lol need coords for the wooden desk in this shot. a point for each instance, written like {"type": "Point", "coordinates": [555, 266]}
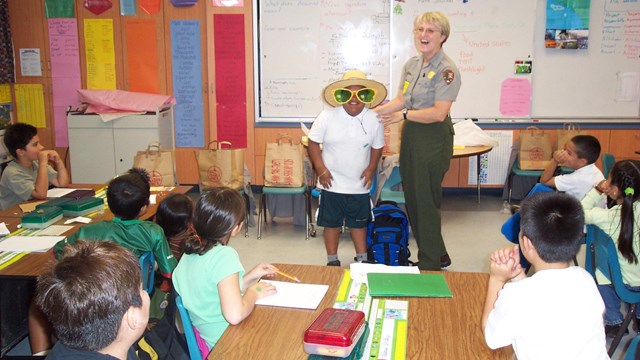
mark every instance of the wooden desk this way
{"type": "Point", "coordinates": [473, 151]}
{"type": "Point", "coordinates": [31, 264]}
{"type": "Point", "coordinates": [438, 328]}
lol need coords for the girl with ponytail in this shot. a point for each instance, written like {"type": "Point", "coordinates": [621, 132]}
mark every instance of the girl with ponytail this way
{"type": "Point", "coordinates": [621, 223]}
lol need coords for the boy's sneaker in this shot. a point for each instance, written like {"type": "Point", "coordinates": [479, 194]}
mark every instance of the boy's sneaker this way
{"type": "Point", "coordinates": [334, 263]}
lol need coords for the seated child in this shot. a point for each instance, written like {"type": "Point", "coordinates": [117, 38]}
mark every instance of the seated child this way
{"type": "Point", "coordinates": [29, 175]}
{"type": "Point", "coordinates": [128, 199]}
{"type": "Point", "coordinates": [621, 223]}
{"type": "Point", "coordinates": [94, 299]}
{"type": "Point", "coordinates": [210, 278]}
{"type": "Point", "coordinates": [579, 153]}
{"type": "Point", "coordinates": [174, 215]}
{"type": "Point", "coordinates": [557, 312]}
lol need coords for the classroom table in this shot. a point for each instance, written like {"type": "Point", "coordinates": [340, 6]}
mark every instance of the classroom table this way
{"type": "Point", "coordinates": [439, 328]}
{"type": "Point", "coordinates": [476, 151]}
{"type": "Point", "coordinates": [21, 275]}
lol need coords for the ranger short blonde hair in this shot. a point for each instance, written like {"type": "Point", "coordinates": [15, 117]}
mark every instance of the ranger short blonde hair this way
{"type": "Point", "coordinates": [437, 18]}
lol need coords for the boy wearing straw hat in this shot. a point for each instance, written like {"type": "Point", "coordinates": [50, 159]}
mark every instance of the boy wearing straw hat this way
{"type": "Point", "coordinates": [352, 139]}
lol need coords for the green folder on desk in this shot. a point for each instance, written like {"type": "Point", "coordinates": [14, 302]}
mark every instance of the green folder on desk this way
{"type": "Point", "coordinates": [420, 285]}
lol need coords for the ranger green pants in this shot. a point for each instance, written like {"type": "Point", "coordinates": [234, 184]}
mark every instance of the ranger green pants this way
{"type": "Point", "coordinates": [425, 154]}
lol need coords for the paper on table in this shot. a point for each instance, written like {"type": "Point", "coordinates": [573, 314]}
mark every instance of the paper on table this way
{"type": "Point", "coordinates": [59, 192]}
{"type": "Point", "coordinates": [29, 243]}
{"type": "Point", "coordinates": [359, 271]}
{"type": "Point", "coordinates": [152, 199]}
{"type": "Point", "coordinates": [80, 219]}
{"type": "Point", "coordinates": [30, 206]}
{"type": "Point", "coordinates": [295, 295]}
{"type": "Point", "coordinates": [4, 230]}
{"type": "Point", "coordinates": [52, 230]}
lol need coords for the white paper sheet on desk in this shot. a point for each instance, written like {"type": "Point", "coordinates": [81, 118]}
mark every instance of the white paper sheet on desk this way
{"type": "Point", "coordinates": [29, 243]}
{"type": "Point", "coordinates": [58, 192]}
{"type": "Point", "coordinates": [295, 295]}
{"type": "Point", "coordinates": [359, 271]}
{"type": "Point", "coordinates": [4, 230]}
{"type": "Point", "coordinates": [53, 230]}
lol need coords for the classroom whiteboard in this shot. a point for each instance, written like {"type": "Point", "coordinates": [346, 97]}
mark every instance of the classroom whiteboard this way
{"type": "Point", "coordinates": [302, 45]}
{"type": "Point", "coordinates": [486, 39]}
{"type": "Point", "coordinates": [590, 83]}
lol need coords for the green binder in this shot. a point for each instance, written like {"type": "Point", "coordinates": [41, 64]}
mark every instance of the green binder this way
{"type": "Point", "coordinates": [421, 285]}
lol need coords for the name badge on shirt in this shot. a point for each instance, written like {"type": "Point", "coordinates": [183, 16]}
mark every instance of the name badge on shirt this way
{"type": "Point", "coordinates": [405, 87]}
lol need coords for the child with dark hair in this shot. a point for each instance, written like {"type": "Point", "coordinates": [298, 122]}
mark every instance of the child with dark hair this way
{"type": "Point", "coordinates": [534, 314]}
{"type": "Point", "coordinates": [210, 278]}
{"type": "Point", "coordinates": [94, 299]}
{"type": "Point", "coordinates": [128, 199]}
{"type": "Point", "coordinates": [620, 222]}
{"type": "Point", "coordinates": [29, 175]}
{"type": "Point", "coordinates": [174, 215]}
{"type": "Point", "coordinates": [579, 153]}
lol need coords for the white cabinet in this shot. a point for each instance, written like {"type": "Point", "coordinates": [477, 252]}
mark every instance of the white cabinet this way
{"type": "Point", "coordinates": [102, 150]}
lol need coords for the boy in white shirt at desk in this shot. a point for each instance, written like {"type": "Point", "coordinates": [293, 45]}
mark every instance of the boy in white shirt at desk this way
{"type": "Point", "coordinates": [29, 175]}
{"type": "Point", "coordinates": [557, 312]}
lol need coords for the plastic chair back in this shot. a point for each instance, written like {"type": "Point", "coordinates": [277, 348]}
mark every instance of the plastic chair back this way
{"type": "Point", "coordinates": [607, 163]}
{"type": "Point", "coordinates": [147, 264]}
{"type": "Point", "coordinates": [633, 352]}
{"type": "Point", "coordinates": [387, 193]}
{"type": "Point", "coordinates": [192, 343]}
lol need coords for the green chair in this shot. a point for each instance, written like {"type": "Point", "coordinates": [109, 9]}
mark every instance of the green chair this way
{"type": "Point", "coordinates": [607, 163]}
{"type": "Point", "coordinates": [387, 193]}
{"type": "Point", "coordinates": [269, 190]}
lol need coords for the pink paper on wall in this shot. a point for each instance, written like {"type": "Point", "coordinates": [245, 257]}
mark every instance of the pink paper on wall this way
{"type": "Point", "coordinates": [228, 3]}
{"type": "Point", "coordinates": [515, 97]}
{"type": "Point", "coordinates": [65, 72]}
{"type": "Point", "coordinates": [231, 89]}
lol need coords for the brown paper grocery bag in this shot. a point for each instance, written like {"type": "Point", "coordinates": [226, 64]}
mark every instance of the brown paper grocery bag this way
{"type": "Point", "coordinates": [535, 149]}
{"type": "Point", "coordinates": [392, 136]}
{"type": "Point", "coordinates": [568, 131]}
{"type": "Point", "coordinates": [159, 164]}
{"type": "Point", "coordinates": [220, 167]}
{"type": "Point", "coordinates": [284, 164]}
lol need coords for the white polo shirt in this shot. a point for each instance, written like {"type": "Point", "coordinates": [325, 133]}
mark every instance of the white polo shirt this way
{"type": "Point", "coordinates": [346, 146]}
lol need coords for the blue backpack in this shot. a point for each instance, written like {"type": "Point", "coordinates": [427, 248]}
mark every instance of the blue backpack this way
{"type": "Point", "coordinates": [388, 235]}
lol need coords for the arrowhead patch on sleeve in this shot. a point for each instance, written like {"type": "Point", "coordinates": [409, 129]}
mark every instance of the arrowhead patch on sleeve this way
{"type": "Point", "coordinates": [448, 76]}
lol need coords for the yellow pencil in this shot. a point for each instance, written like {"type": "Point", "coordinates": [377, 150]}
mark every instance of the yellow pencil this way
{"type": "Point", "coordinates": [288, 276]}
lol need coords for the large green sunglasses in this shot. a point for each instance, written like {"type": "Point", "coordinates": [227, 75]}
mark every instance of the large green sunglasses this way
{"type": "Point", "coordinates": [366, 95]}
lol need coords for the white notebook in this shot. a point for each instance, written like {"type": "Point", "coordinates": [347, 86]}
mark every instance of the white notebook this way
{"type": "Point", "coordinates": [295, 295]}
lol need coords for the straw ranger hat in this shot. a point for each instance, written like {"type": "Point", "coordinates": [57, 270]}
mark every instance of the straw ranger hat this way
{"type": "Point", "coordinates": [355, 77]}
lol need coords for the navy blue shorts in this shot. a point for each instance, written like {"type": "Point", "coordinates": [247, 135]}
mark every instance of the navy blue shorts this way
{"type": "Point", "coordinates": [354, 210]}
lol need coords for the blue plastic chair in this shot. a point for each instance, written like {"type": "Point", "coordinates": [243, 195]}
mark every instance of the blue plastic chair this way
{"type": "Point", "coordinates": [147, 265]}
{"type": "Point", "coordinates": [607, 163]}
{"type": "Point", "coordinates": [632, 349]}
{"type": "Point", "coordinates": [603, 255]}
{"type": "Point", "coordinates": [387, 193]}
{"type": "Point", "coordinates": [189, 334]}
